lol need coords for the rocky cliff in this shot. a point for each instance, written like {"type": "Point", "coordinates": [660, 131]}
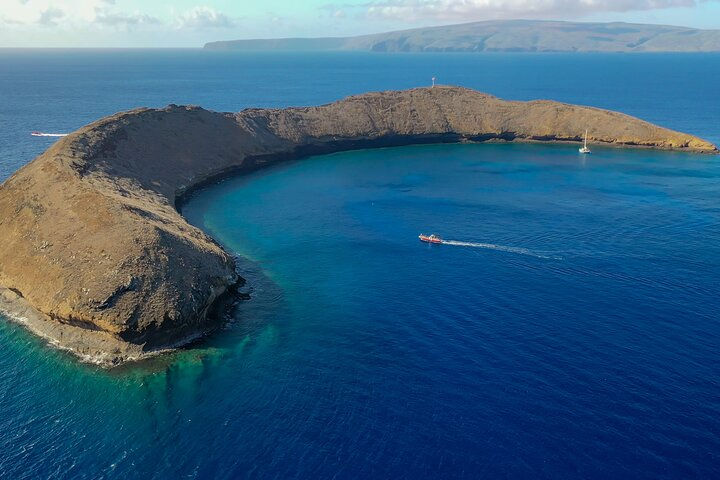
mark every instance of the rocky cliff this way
{"type": "Point", "coordinates": [95, 256]}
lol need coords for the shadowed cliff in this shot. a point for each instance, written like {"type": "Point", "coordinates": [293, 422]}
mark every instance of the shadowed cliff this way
{"type": "Point", "coordinates": [95, 256]}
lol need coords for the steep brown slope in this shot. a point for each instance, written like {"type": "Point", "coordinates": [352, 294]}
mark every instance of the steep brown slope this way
{"type": "Point", "coordinates": [95, 256]}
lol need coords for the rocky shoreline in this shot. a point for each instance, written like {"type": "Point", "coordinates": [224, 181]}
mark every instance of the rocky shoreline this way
{"type": "Point", "coordinates": [96, 257]}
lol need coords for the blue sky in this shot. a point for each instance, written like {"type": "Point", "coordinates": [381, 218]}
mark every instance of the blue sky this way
{"type": "Point", "coordinates": [191, 23]}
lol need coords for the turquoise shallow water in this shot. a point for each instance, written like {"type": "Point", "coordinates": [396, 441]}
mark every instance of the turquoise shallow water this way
{"type": "Point", "coordinates": [580, 341]}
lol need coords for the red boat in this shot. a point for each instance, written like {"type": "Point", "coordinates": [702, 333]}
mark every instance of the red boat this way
{"type": "Point", "coordinates": [430, 238]}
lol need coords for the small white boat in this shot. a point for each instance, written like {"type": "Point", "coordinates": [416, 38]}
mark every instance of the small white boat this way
{"type": "Point", "coordinates": [585, 148]}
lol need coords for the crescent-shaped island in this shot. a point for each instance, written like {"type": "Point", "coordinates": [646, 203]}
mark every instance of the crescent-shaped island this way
{"type": "Point", "coordinates": [96, 258]}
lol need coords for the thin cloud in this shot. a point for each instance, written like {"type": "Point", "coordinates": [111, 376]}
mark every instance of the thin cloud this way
{"type": "Point", "coordinates": [115, 19]}
{"type": "Point", "coordinates": [74, 14]}
{"type": "Point", "coordinates": [465, 10]}
{"type": "Point", "coordinates": [50, 17]}
{"type": "Point", "coordinates": [202, 18]}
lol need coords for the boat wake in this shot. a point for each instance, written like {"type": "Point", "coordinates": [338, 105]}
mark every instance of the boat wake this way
{"type": "Point", "coordinates": [42, 134]}
{"type": "Point", "coordinates": [503, 248]}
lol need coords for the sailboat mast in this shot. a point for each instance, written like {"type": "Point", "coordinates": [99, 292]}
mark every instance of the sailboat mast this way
{"type": "Point", "coordinates": [585, 145]}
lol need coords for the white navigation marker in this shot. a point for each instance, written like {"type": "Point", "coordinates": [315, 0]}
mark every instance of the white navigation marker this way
{"type": "Point", "coordinates": [433, 82]}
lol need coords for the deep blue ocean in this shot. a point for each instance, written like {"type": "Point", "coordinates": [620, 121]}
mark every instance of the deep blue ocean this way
{"type": "Point", "coordinates": [576, 334]}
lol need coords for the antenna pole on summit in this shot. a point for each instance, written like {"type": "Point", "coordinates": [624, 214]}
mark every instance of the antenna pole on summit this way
{"type": "Point", "coordinates": [433, 82]}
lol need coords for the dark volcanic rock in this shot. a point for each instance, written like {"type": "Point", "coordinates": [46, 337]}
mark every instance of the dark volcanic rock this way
{"type": "Point", "coordinates": [95, 256]}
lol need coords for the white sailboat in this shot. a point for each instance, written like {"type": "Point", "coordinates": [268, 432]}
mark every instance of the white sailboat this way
{"type": "Point", "coordinates": [585, 148]}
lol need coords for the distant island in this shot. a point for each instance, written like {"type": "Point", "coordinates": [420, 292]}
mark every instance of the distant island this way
{"type": "Point", "coordinates": [503, 36]}
{"type": "Point", "coordinates": [96, 257]}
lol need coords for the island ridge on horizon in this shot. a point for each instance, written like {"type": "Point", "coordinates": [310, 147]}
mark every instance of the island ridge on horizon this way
{"type": "Point", "coordinates": [503, 36]}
